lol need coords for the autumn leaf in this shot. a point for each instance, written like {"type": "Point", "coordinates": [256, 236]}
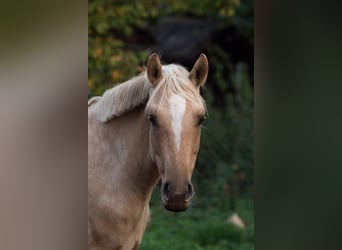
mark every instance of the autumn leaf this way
{"type": "Point", "coordinates": [116, 75]}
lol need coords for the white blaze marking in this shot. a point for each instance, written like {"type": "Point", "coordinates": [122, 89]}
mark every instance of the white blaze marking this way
{"type": "Point", "coordinates": [177, 109]}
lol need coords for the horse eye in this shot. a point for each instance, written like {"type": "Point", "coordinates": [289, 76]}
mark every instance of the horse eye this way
{"type": "Point", "coordinates": [153, 120]}
{"type": "Point", "coordinates": [201, 119]}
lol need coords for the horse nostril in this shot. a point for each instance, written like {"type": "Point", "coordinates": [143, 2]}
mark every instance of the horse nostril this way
{"type": "Point", "coordinates": [190, 188]}
{"type": "Point", "coordinates": [190, 192]}
{"type": "Point", "coordinates": [166, 191]}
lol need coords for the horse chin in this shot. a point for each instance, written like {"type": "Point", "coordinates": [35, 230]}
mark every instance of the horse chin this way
{"type": "Point", "coordinates": [176, 207]}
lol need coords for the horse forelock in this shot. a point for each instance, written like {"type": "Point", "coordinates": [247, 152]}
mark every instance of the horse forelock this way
{"type": "Point", "coordinates": [139, 91]}
{"type": "Point", "coordinates": [175, 81]}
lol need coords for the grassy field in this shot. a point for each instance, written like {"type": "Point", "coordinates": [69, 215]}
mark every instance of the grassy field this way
{"type": "Point", "coordinates": [200, 228]}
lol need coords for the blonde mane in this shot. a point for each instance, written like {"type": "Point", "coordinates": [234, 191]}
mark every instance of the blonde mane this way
{"type": "Point", "coordinates": [139, 91]}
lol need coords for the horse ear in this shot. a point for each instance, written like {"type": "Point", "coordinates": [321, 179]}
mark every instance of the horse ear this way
{"type": "Point", "coordinates": [199, 72]}
{"type": "Point", "coordinates": [154, 69]}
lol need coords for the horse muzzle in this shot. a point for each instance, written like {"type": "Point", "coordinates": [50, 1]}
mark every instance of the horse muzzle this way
{"type": "Point", "coordinates": [176, 201]}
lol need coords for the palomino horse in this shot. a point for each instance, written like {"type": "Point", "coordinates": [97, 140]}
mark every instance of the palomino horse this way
{"type": "Point", "coordinates": [140, 131]}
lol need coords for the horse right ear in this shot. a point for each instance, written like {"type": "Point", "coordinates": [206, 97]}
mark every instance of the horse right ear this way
{"type": "Point", "coordinates": [154, 69]}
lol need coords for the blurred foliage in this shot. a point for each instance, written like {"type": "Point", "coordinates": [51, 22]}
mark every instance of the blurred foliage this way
{"type": "Point", "coordinates": [118, 50]}
{"type": "Point", "coordinates": [226, 154]}
{"type": "Point", "coordinates": [112, 25]}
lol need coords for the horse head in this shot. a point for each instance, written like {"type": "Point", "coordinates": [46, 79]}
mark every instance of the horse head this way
{"type": "Point", "coordinates": [175, 111]}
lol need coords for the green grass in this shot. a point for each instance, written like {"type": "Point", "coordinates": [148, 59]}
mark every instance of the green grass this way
{"type": "Point", "coordinates": [200, 228]}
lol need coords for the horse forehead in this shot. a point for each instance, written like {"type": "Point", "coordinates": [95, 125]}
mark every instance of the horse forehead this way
{"type": "Point", "coordinates": [178, 105]}
{"type": "Point", "coordinates": [177, 110]}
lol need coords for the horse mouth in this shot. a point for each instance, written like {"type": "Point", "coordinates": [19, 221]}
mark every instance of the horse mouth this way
{"type": "Point", "coordinates": [176, 205]}
{"type": "Point", "coordinates": [177, 208]}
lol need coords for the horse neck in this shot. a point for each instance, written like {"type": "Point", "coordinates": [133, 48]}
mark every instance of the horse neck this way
{"type": "Point", "coordinates": [129, 135]}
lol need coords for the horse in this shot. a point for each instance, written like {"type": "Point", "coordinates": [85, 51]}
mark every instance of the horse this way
{"type": "Point", "coordinates": [139, 132]}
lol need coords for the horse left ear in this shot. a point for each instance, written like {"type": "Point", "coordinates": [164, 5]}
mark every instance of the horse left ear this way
{"type": "Point", "coordinates": [198, 74]}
